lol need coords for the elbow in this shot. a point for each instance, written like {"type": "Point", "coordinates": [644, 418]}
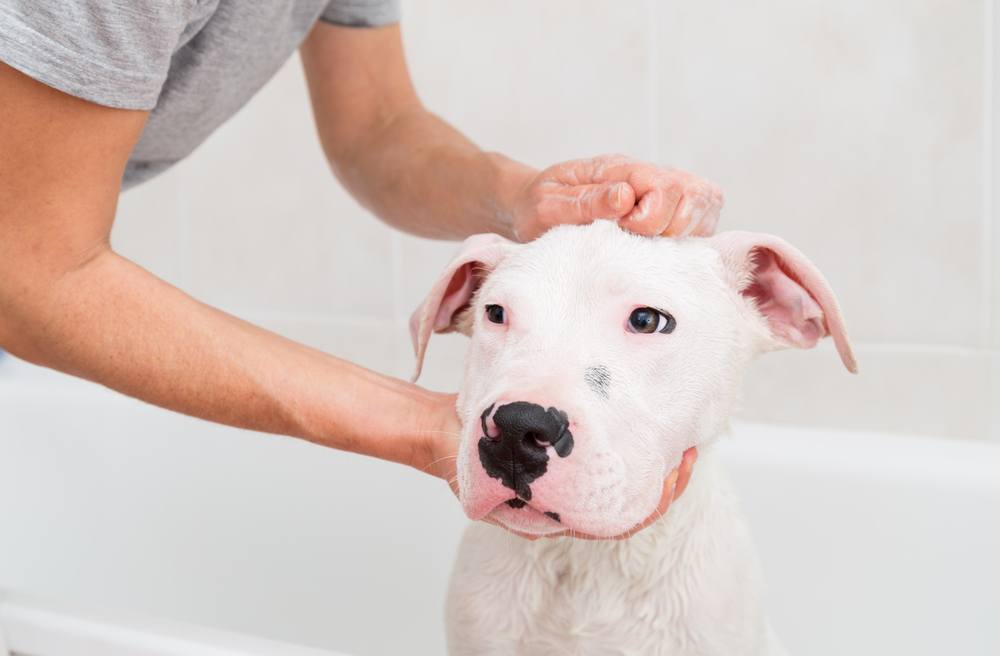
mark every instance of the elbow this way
{"type": "Point", "coordinates": [23, 316]}
{"type": "Point", "coordinates": [39, 317]}
{"type": "Point", "coordinates": [16, 337]}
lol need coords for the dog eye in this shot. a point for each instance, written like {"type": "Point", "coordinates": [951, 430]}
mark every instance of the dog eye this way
{"type": "Point", "coordinates": [495, 313]}
{"type": "Point", "coordinates": [648, 320]}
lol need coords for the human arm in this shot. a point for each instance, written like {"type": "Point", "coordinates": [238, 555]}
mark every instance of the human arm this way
{"type": "Point", "coordinates": [419, 174]}
{"type": "Point", "coordinates": [69, 302]}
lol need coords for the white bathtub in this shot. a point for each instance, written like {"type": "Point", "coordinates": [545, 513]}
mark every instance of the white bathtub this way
{"type": "Point", "coordinates": [43, 628]}
{"type": "Point", "coordinates": [872, 544]}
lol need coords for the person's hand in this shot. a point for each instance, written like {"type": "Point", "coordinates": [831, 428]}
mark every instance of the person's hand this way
{"type": "Point", "coordinates": [643, 198]}
{"type": "Point", "coordinates": [442, 447]}
{"type": "Point", "coordinates": [440, 431]}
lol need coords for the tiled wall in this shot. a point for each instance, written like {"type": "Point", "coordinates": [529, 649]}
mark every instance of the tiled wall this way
{"type": "Point", "coordinates": [861, 130]}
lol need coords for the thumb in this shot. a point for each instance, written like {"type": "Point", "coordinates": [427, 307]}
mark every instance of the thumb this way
{"type": "Point", "coordinates": [585, 203]}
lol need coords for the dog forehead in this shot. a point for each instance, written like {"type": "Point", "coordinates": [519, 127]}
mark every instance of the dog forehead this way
{"type": "Point", "coordinates": [601, 260]}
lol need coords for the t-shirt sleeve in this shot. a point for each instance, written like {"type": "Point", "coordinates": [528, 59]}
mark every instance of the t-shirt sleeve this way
{"type": "Point", "coordinates": [111, 52]}
{"type": "Point", "coordinates": [362, 13]}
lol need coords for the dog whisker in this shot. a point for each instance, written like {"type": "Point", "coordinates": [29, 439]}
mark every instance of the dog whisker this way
{"type": "Point", "coordinates": [438, 432]}
{"type": "Point", "coordinates": [434, 462]}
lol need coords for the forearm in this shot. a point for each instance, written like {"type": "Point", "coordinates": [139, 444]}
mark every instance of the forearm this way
{"type": "Point", "coordinates": [400, 161]}
{"type": "Point", "coordinates": [112, 322]}
{"type": "Point", "coordinates": [420, 174]}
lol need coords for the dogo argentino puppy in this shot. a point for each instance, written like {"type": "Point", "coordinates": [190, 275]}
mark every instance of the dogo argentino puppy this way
{"type": "Point", "coordinates": [596, 359]}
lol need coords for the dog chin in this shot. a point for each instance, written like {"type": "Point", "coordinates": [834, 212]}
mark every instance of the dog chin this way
{"type": "Point", "coordinates": [525, 520]}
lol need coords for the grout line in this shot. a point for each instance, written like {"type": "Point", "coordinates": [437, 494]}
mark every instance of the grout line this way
{"type": "Point", "coordinates": [929, 349]}
{"type": "Point", "coordinates": [183, 228]}
{"type": "Point", "coordinates": [395, 273]}
{"type": "Point", "coordinates": [305, 317]}
{"type": "Point", "coordinates": [652, 61]}
{"type": "Point", "coordinates": [987, 241]}
{"type": "Point", "coordinates": [398, 311]}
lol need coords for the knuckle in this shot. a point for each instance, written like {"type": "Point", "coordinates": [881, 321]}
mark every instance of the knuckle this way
{"type": "Point", "coordinates": [680, 176]}
{"type": "Point", "coordinates": [537, 197]}
{"type": "Point", "coordinates": [673, 188]}
{"type": "Point", "coordinates": [706, 196]}
{"type": "Point", "coordinates": [598, 166]}
{"type": "Point", "coordinates": [613, 158]}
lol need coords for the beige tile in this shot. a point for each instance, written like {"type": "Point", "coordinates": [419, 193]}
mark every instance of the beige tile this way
{"type": "Point", "coordinates": [147, 226]}
{"type": "Point", "coordinates": [854, 129]}
{"type": "Point", "coordinates": [993, 297]}
{"type": "Point", "coordinates": [269, 229]}
{"type": "Point", "coordinates": [420, 263]}
{"type": "Point", "coordinates": [993, 399]}
{"type": "Point", "coordinates": [541, 81]}
{"type": "Point", "coordinates": [993, 231]}
{"type": "Point", "coordinates": [443, 364]}
{"type": "Point", "coordinates": [943, 392]}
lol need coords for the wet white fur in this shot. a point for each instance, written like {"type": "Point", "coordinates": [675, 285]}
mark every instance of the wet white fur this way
{"type": "Point", "coordinates": [687, 585]}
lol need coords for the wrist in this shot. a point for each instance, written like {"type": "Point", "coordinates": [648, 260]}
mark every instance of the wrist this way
{"type": "Point", "coordinates": [374, 415]}
{"type": "Point", "coordinates": [436, 437]}
{"type": "Point", "coordinates": [511, 181]}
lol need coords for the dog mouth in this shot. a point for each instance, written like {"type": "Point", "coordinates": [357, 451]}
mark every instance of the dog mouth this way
{"type": "Point", "coordinates": [518, 515]}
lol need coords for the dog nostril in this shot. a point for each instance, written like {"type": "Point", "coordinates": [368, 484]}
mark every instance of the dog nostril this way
{"type": "Point", "coordinates": [528, 429]}
{"type": "Point", "coordinates": [486, 430]}
{"type": "Point", "coordinates": [538, 438]}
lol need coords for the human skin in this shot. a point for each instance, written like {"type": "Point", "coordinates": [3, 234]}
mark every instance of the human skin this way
{"type": "Point", "coordinates": [69, 302]}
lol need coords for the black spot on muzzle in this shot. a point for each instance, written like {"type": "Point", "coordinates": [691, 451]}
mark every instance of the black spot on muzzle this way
{"type": "Point", "coordinates": [519, 454]}
{"type": "Point", "coordinates": [598, 379]}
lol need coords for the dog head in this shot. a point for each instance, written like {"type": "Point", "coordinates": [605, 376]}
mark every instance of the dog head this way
{"type": "Point", "coordinates": [597, 357]}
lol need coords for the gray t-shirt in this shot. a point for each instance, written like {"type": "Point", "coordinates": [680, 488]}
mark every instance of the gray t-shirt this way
{"type": "Point", "coordinates": [194, 63]}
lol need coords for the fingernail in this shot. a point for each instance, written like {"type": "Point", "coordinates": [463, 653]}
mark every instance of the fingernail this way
{"type": "Point", "coordinates": [709, 224]}
{"type": "Point", "coordinates": [641, 210]}
{"type": "Point", "coordinates": [618, 195]}
{"type": "Point", "coordinates": [693, 221]}
{"type": "Point", "coordinates": [684, 209]}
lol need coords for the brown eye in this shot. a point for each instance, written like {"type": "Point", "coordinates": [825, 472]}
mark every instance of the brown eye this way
{"type": "Point", "coordinates": [647, 320]}
{"type": "Point", "coordinates": [495, 313]}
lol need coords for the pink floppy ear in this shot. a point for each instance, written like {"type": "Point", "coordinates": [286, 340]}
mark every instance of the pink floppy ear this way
{"type": "Point", "coordinates": [478, 255]}
{"type": "Point", "coordinates": [786, 289]}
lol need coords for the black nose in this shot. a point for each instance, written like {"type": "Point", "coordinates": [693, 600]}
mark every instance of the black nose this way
{"type": "Point", "coordinates": [520, 454]}
{"type": "Point", "coordinates": [527, 426]}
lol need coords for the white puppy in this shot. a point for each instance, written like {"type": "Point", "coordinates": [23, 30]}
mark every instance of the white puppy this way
{"type": "Point", "coordinates": [596, 358]}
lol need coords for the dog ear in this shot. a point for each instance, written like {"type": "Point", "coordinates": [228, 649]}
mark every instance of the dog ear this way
{"type": "Point", "coordinates": [476, 258]}
{"type": "Point", "coordinates": [786, 289]}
